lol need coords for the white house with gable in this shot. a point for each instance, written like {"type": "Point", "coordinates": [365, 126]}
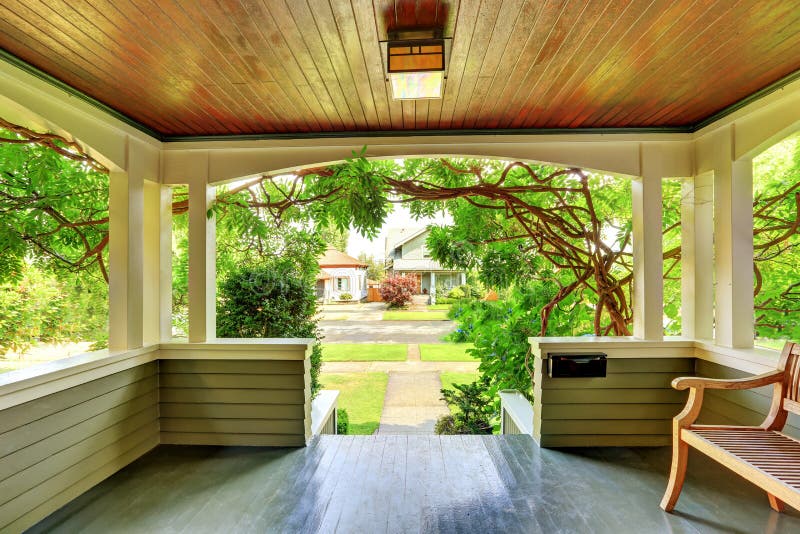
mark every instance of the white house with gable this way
{"type": "Point", "coordinates": [340, 275]}
{"type": "Point", "coordinates": [407, 254]}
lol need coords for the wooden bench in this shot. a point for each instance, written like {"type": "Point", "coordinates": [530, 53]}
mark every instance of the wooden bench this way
{"type": "Point", "coordinates": [760, 454]}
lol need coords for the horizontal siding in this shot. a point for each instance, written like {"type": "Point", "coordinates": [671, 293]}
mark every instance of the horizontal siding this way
{"type": "Point", "coordinates": [605, 440]}
{"type": "Point", "coordinates": [55, 447]}
{"type": "Point", "coordinates": [744, 407]}
{"type": "Point", "coordinates": [620, 411]}
{"type": "Point", "coordinates": [613, 396]}
{"type": "Point", "coordinates": [234, 402]}
{"type": "Point", "coordinates": [632, 406]}
{"type": "Point", "coordinates": [240, 367]}
{"type": "Point", "coordinates": [239, 440]}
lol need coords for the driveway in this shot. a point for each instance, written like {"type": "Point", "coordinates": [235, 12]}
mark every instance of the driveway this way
{"type": "Point", "coordinates": [385, 331]}
{"type": "Point", "coordinates": [357, 311]}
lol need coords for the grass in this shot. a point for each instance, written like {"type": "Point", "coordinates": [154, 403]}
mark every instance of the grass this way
{"type": "Point", "coordinates": [414, 316]}
{"type": "Point", "coordinates": [446, 352]}
{"type": "Point", "coordinates": [448, 378]}
{"type": "Point", "coordinates": [361, 394]}
{"type": "Point", "coordinates": [364, 352]}
{"type": "Point", "coordinates": [439, 307]}
{"type": "Point", "coordinates": [776, 344]}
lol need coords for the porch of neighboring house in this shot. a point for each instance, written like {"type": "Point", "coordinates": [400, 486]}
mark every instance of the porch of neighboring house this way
{"type": "Point", "coordinates": [156, 434]}
{"type": "Point", "coordinates": [385, 483]}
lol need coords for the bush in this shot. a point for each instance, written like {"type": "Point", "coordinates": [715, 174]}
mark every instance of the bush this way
{"type": "Point", "coordinates": [345, 296]}
{"type": "Point", "coordinates": [456, 293]}
{"type": "Point", "coordinates": [398, 290]}
{"type": "Point", "coordinates": [500, 331]}
{"type": "Point", "coordinates": [270, 300]}
{"type": "Point", "coordinates": [41, 307]}
{"type": "Point", "coordinates": [472, 410]}
{"type": "Point", "coordinates": [342, 421]}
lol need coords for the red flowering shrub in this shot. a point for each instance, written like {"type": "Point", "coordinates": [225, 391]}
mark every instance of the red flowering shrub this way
{"type": "Point", "coordinates": [398, 290]}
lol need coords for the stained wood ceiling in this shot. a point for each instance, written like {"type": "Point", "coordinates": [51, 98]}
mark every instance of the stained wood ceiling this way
{"type": "Point", "coordinates": [223, 67]}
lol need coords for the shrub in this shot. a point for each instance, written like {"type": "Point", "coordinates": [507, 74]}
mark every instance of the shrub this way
{"type": "Point", "coordinates": [342, 421]}
{"type": "Point", "coordinates": [398, 290]}
{"type": "Point", "coordinates": [472, 410]}
{"type": "Point", "coordinates": [270, 300]}
{"type": "Point", "coordinates": [500, 330]}
{"type": "Point", "coordinates": [345, 296]}
{"type": "Point", "coordinates": [456, 293]}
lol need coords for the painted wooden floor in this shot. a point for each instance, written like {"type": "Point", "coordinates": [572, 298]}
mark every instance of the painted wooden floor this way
{"type": "Point", "coordinates": [383, 483]}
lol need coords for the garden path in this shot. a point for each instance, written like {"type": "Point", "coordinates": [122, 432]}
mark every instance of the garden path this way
{"type": "Point", "coordinates": [412, 404]}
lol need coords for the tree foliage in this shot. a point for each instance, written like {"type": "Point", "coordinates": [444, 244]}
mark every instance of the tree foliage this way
{"type": "Point", "coordinates": [271, 299]}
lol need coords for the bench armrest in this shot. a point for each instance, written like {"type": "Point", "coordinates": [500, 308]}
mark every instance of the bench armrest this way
{"type": "Point", "coordinates": [686, 382]}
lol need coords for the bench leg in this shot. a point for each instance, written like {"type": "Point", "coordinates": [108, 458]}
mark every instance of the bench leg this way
{"type": "Point", "coordinates": [677, 474]}
{"type": "Point", "coordinates": [775, 503]}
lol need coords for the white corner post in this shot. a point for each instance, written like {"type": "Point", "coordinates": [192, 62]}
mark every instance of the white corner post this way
{"type": "Point", "coordinates": [433, 287]}
{"type": "Point", "coordinates": [202, 263]}
{"type": "Point", "coordinates": [165, 263]}
{"type": "Point", "coordinates": [733, 240]}
{"type": "Point", "coordinates": [697, 257]}
{"type": "Point", "coordinates": [125, 258]}
{"type": "Point", "coordinates": [648, 258]}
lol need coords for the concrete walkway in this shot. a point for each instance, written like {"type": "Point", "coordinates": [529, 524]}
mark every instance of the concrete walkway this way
{"type": "Point", "coordinates": [385, 331]}
{"type": "Point", "coordinates": [412, 404]}
{"type": "Point", "coordinates": [399, 367]}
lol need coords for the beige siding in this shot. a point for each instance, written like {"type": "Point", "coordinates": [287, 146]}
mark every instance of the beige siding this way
{"type": "Point", "coordinates": [737, 407]}
{"type": "Point", "coordinates": [632, 406]}
{"type": "Point", "coordinates": [234, 402]}
{"type": "Point", "coordinates": [413, 249]}
{"type": "Point", "coordinates": [55, 447]}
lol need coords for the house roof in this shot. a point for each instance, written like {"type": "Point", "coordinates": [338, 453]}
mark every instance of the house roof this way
{"type": "Point", "coordinates": [180, 70]}
{"type": "Point", "coordinates": [408, 237]}
{"type": "Point", "coordinates": [334, 258]}
{"type": "Point", "coordinates": [322, 275]}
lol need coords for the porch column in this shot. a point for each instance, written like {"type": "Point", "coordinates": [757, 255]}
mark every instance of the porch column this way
{"type": "Point", "coordinates": [433, 287]}
{"type": "Point", "coordinates": [125, 260]}
{"type": "Point", "coordinates": [202, 264]}
{"type": "Point", "coordinates": [697, 257]}
{"type": "Point", "coordinates": [648, 260]}
{"type": "Point", "coordinates": [733, 241]}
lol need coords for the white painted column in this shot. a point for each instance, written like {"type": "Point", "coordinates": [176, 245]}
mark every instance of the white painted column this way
{"type": "Point", "coordinates": [157, 259]}
{"type": "Point", "coordinates": [202, 264]}
{"type": "Point", "coordinates": [648, 259]}
{"type": "Point", "coordinates": [697, 257]}
{"type": "Point", "coordinates": [733, 240]}
{"type": "Point", "coordinates": [433, 287]}
{"type": "Point", "coordinates": [126, 257]}
{"type": "Point", "coordinates": [165, 263]}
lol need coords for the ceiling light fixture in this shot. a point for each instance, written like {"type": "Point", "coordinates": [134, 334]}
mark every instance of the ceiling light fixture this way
{"type": "Point", "coordinates": [416, 68]}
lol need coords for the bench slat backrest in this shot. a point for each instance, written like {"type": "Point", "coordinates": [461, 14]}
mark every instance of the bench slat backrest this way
{"type": "Point", "coordinates": [790, 362]}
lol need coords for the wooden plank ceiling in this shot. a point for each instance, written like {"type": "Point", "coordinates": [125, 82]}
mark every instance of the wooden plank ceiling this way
{"type": "Point", "coordinates": [221, 67]}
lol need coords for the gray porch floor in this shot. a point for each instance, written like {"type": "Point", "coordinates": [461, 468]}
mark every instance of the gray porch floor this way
{"type": "Point", "coordinates": [412, 483]}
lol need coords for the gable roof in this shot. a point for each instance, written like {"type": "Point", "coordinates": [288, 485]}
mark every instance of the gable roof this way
{"type": "Point", "coordinates": [406, 238]}
{"type": "Point", "coordinates": [334, 258]}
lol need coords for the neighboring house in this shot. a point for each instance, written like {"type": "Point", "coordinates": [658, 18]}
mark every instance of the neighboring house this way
{"type": "Point", "coordinates": [341, 274]}
{"type": "Point", "coordinates": [406, 253]}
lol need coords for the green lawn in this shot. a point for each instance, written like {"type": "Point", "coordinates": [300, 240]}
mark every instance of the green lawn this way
{"type": "Point", "coordinates": [444, 307]}
{"type": "Point", "coordinates": [414, 316]}
{"type": "Point", "coordinates": [361, 394]}
{"type": "Point", "coordinates": [363, 352]}
{"type": "Point", "coordinates": [6, 368]}
{"type": "Point", "coordinates": [776, 344]}
{"type": "Point", "coordinates": [448, 378]}
{"type": "Point", "coordinates": [446, 352]}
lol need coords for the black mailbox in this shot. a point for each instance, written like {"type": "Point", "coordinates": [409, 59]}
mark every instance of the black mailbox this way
{"type": "Point", "coordinates": [576, 365]}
